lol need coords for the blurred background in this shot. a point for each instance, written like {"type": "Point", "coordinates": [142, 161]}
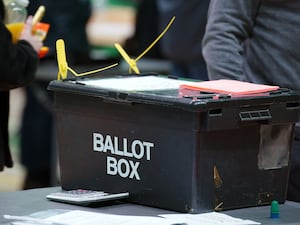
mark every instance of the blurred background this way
{"type": "Point", "coordinates": [11, 179]}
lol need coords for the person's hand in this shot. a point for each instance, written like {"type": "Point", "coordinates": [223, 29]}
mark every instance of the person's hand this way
{"type": "Point", "coordinates": [27, 35]}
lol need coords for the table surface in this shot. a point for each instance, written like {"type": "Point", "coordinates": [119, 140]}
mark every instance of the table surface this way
{"type": "Point", "coordinates": [31, 201]}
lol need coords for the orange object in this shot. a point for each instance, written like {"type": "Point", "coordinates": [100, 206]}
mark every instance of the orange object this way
{"type": "Point", "coordinates": [41, 29]}
{"type": "Point", "coordinates": [15, 30]}
{"type": "Point", "coordinates": [224, 86]}
{"type": "Point", "coordinates": [43, 52]}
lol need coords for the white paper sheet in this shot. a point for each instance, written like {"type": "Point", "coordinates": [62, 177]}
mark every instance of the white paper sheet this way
{"type": "Point", "coordinates": [212, 218]}
{"type": "Point", "coordinates": [142, 83]}
{"type": "Point", "coordinates": [77, 217]}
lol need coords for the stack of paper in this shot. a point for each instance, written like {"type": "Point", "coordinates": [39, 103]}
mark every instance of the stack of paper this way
{"type": "Point", "coordinates": [224, 86]}
{"type": "Point", "coordinates": [78, 217]}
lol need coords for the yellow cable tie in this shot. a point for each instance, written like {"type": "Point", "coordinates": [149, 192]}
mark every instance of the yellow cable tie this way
{"type": "Point", "coordinates": [157, 39]}
{"type": "Point", "coordinates": [93, 71]}
{"type": "Point", "coordinates": [63, 65]}
{"type": "Point", "coordinates": [131, 62]}
{"type": "Point", "coordinates": [72, 71]}
{"type": "Point", "coordinates": [61, 59]}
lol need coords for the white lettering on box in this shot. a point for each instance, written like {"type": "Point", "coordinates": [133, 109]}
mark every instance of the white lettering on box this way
{"type": "Point", "coordinates": [137, 149]}
{"type": "Point", "coordinates": [134, 171]}
{"type": "Point", "coordinates": [148, 146]}
{"type": "Point", "coordinates": [111, 166]}
{"type": "Point", "coordinates": [97, 142]}
{"type": "Point", "coordinates": [108, 145]}
{"type": "Point", "coordinates": [124, 168]}
{"type": "Point", "coordinates": [113, 145]}
{"type": "Point", "coordinates": [117, 151]}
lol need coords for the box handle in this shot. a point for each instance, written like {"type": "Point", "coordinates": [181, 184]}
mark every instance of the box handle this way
{"type": "Point", "coordinates": [255, 115]}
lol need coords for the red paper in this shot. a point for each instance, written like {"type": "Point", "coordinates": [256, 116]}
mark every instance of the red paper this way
{"type": "Point", "coordinates": [224, 86]}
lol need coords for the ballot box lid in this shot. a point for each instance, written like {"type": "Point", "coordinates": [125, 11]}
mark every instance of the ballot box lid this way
{"type": "Point", "coordinates": [166, 91]}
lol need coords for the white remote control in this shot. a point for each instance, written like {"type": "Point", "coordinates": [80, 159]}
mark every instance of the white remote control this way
{"type": "Point", "coordinates": [85, 197]}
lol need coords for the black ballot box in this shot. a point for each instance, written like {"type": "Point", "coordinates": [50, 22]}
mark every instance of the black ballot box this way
{"type": "Point", "coordinates": [188, 152]}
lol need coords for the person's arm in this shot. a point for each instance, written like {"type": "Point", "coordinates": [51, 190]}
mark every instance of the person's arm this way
{"type": "Point", "coordinates": [230, 23]}
{"type": "Point", "coordinates": [18, 62]}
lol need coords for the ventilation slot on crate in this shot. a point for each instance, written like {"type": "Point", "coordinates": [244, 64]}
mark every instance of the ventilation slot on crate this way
{"type": "Point", "coordinates": [255, 115]}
